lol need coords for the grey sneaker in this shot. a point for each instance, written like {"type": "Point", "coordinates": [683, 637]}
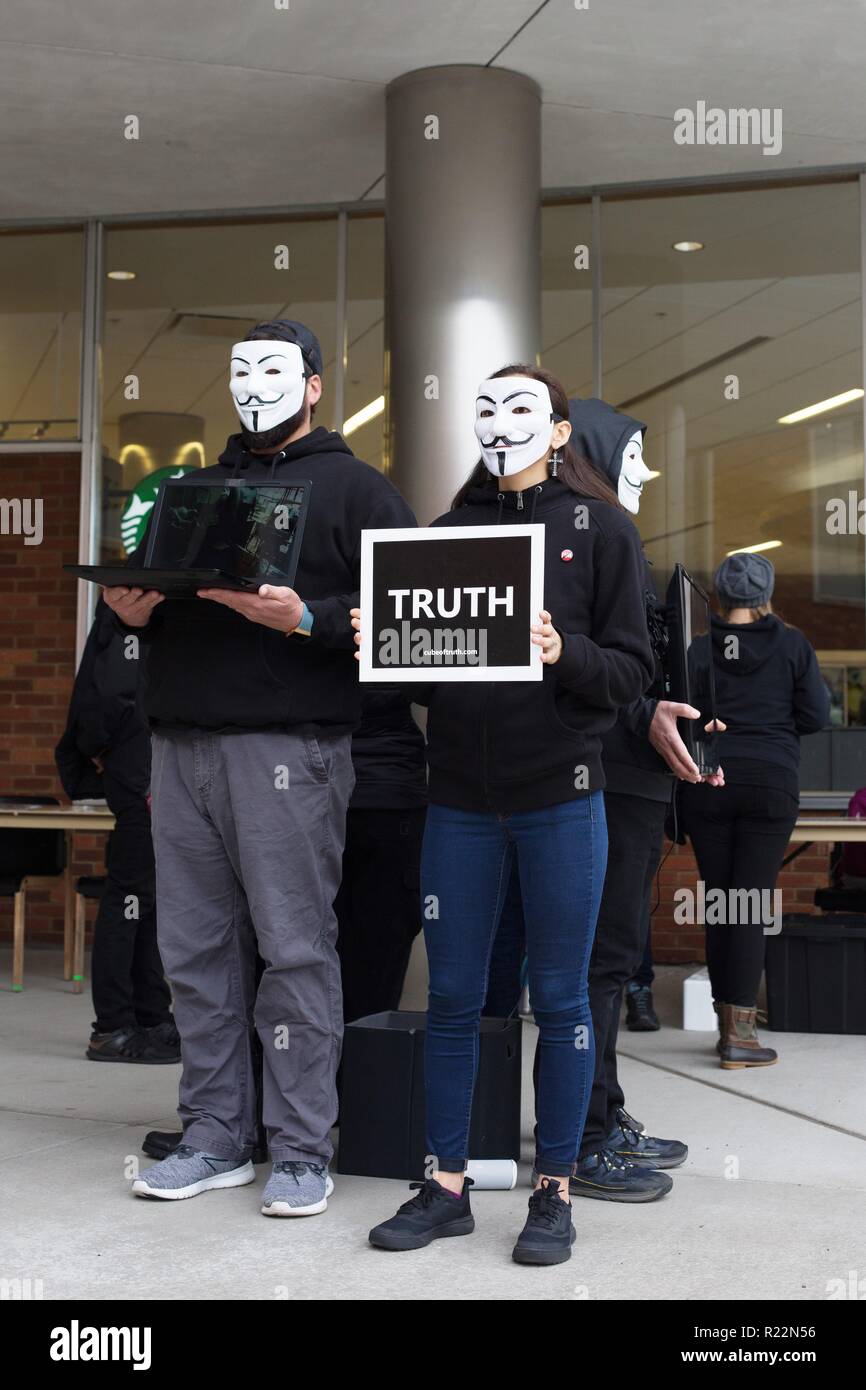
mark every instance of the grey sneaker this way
{"type": "Point", "coordinates": [187, 1172]}
{"type": "Point", "coordinates": [297, 1189]}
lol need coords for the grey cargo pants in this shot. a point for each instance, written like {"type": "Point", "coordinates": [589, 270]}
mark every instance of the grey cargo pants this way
{"type": "Point", "coordinates": [248, 833]}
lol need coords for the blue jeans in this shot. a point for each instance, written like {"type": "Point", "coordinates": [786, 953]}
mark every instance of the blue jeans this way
{"type": "Point", "coordinates": [466, 864]}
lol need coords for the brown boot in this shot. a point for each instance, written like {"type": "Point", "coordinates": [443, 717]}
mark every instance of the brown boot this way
{"type": "Point", "coordinates": [739, 1044]}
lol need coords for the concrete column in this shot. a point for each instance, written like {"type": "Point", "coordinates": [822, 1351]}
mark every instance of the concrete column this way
{"type": "Point", "coordinates": [463, 263]}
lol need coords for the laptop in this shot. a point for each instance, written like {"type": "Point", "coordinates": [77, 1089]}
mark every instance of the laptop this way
{"type": "Point", "coordinates": [690, 679]}
{"type": "Point", "coordinates": [217, 533]}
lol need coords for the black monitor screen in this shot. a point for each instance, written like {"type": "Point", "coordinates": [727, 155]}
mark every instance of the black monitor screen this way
{"type": "Point", "coordinates": [697, 640]}
{"type": "Point", "coordinates": [244, 530]}
{"type": "Point", "coordinates": [690, 654]}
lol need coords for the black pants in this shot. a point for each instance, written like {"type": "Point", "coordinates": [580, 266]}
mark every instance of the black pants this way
{"type": "Point", "coordinates": [635, 829]}
{"type": "Point", "coordinates": [739, 835]}
{"type": "Point", "coordinates": [644, 975]}
{"type": "Point", "coordinates": [378, 907]}
{"type": "Point", "coordinates": [129, 986]}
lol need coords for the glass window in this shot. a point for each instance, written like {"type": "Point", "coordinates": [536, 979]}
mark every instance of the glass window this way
{"type": "Point", "coordinates": [365, 334]}
{"type": "Point", "coordinates": [41, 282]}
{"type": "Point", "coordinates": [566, 295]}
{"type": "Point", "coordinates": [196, 290]}
{"type": "Point", "coordinates": [715, 349]}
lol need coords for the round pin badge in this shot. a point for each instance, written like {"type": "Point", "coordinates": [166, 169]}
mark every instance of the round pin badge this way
{"type": "Point", "coordinates": [566, 555]}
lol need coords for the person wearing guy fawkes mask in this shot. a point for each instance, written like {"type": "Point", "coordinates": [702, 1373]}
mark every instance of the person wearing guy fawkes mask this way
{"type": "Point", "coordinates": [641, 754]}
{"type": "Point", "coordinates": [252, 699]}
{"type": "Point", "coordinates": [503, 792]}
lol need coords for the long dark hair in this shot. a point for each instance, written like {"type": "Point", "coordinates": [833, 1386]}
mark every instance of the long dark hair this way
{"type": "Point", "coordinates": [573, 470]}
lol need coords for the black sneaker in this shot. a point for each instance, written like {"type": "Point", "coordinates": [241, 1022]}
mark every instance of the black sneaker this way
{"type": "Point", "coordinates": [640, 1016]}
{"type": "Point", "coordinates": [432, 1214]}
{"type": "Point", "coordinates": [609, 1178]}
{"type": "Point", "coordinates": [646, 1151]}
{"type": "Point", "coordinates": [548, 1235]}
{"type": "Point", "coordinates": [147, 1046]}
{"type": "Point", "coordinates": [162, 1042]}
{"type": "Point", "coordinates": [624, 1118]}
{"type": "Point", "coordinates": [159, 1143]}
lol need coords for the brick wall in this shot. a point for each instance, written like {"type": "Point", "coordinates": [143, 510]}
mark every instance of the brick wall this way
{"type": "Point", "coordinates": [674, 942]}
{"type": "Point", "coordinates": [37, 657]}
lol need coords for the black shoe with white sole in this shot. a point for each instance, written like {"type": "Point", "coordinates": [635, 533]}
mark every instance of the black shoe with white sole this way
{"type": "Point", "coordinates": [548, 1235]}
{"type": "Point", "coordinates": [609, 1178]}
{"type": "Point", "coordinates": [431, 1215]}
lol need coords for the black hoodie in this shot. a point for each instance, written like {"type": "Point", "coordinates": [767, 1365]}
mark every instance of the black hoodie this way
{"type": "Point", "coordinates": [510, 746]}
{"type": "Point", "coordinates": [209, 668]}
{"type": "Point", "coordinates": [632, 766]}
{"type": "Point", "coordinates": [105, 717]}
{"type": "Point", "coordinates": [769, 691]}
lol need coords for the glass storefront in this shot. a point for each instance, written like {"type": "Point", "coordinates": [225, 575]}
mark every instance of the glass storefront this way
{"type": "Point", "coordinates": [733, 352]}
{"type": "Point", "coordinates": [41, 291]}
{"type": "Point", "coordinates": [716, 349]}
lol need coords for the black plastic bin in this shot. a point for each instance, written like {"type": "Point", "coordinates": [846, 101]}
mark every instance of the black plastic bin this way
{"type": "Point", "coordinates": [816, 974]}
{"type": "Point", "coordinates": [382, 1112]}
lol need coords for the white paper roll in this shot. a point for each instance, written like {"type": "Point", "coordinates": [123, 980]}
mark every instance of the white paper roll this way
{"type": "Point", "coordinates": [492, 1173]}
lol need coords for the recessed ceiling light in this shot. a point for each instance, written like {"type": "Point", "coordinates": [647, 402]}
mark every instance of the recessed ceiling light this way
{"type": "Point", "coordinates": [363, 416]}
{"type": "Point", "coordinates": [755, 549]}
{"type": "Point", "coordinates": [687, 245]}
{"type": "Point", "coordinates": [831, 403]}
{"type": "Point", "coordinates": [121, 275]}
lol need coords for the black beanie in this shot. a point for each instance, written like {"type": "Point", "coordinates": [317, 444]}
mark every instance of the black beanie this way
{"type": "Point", "coordinates": [744, 580]}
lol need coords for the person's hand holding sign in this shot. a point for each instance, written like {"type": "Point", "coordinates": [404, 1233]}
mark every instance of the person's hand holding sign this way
{"type": "Point", "coordinates": [273, 606]}
{"type": "Point", "coordinates": [355, 615]}
{"type": "Point", "coordinates": [545, 636]}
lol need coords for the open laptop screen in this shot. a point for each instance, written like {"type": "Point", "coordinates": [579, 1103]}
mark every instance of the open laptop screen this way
{"type": "Point", "coordinates": [251, 531]}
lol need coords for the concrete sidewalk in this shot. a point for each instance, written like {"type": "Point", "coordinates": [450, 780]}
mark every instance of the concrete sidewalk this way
{"type": "Point", "coordinates": [769, 1205]}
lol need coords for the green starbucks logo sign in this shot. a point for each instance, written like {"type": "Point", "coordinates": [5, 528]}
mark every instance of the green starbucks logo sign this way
{"type": "Point", "coordinates": [139, 504]}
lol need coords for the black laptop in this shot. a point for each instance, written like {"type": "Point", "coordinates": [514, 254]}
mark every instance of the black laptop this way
{"type": "Point", "coordinates": [216, 533]}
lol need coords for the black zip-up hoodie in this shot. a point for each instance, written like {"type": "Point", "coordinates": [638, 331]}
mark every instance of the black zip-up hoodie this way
{"type": "Point", "coordinates": [209, 668]}
{"type": "Point", "coordinates": [769, 691]}
{"type": "Point", "coordinates": [520, 745]}
{"type": "Point", "coordinates": [600, 432]}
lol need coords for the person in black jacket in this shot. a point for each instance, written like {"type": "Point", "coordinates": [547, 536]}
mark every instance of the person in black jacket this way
{"type": "Point", "coordinates": [252, 699]}
{"type": "Point", "coordinates": [769, 691]}
{"type": "Point", "coordinates": [378, 906]}
{"type": "Point", "coordinates": [105, 752]}
{"type": "Point", "coordinates": [642, 753]}
{"type": "Point", "coordinates": [516, 774]}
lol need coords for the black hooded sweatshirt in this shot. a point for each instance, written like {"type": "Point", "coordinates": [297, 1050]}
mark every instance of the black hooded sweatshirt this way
{"type": "Point", "coordinates": [509, 746]}
{"type": "Point", "coordinates": [105, 717]}
{"type": "Point", "coordinates": [632, 766]}
{"type": "Point", "coordinates": [769, 691]}
{"type": "Point", "coordinates": [208, 667]}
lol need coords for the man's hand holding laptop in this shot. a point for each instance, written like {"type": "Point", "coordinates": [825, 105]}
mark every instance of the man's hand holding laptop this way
{"type": "Point", "coordinates": [273, 606]}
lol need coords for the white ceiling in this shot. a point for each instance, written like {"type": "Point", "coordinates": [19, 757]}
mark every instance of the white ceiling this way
{"type": "Point", "coordinates": [247, 105]}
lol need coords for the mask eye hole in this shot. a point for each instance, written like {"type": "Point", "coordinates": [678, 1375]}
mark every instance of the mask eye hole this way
{"type": "Point", "coordinates": [485, 414]}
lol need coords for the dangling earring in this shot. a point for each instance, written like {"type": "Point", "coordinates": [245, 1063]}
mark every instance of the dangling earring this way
{"type": "Point", "coordinates": [555, 462]}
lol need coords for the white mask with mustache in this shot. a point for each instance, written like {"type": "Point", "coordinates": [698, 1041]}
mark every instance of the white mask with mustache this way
{"type": "Point", "coordinates": [513, 423]}
{"type": "Point", "coordinates": [633, 473]}
{"type": "Point", "coordinates": [267, 382]}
